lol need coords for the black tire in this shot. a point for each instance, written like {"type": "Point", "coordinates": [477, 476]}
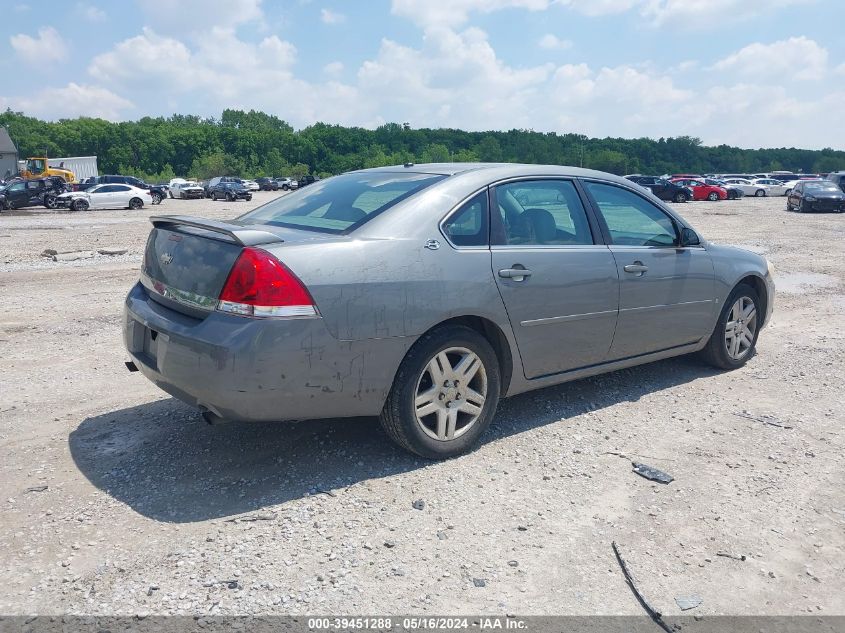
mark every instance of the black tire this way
{"type": "Point", "coordinates": [136, 203]}
{"type": "Point", "coordinates": [286, 187]}
{"type": "Point", "coordinates": [715, 352]}
{"type": "Point", "coordinates": [50, 201]}
{"type": "Point", "coordinates": [170, 193]}
{"type": "Point", "coordinates": [79, 205]}
{"type": "Point", "coordinates": [680, 197]}
{"type": "Point", "coordinates": [214, 196]}
{"type": "Point", "coordinates": [713, 196]}
{"type": "Point", "coordinates": [248, 198]}
{"type": "Point", "coordinates": [800, 207]}
{"type": "Point", "coordinates": [156, 197]}
{"type": "Point", "coordinates": [760, 193]}
{"type": "Point", "coordinates": [230, 197]}
{"type": "Point", "coordinates": [398, 418]}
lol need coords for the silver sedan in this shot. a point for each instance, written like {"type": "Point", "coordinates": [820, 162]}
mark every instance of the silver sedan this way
{"type": "Point", "coordinates": [423, 294]}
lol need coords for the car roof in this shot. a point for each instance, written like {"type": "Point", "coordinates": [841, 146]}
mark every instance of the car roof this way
{"type": "Point", "coordinates": [506, 169]}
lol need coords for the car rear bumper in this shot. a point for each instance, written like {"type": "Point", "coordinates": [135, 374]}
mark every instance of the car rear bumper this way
{"type": "Point", "coordinates": [825, 206]}
{"type": "Point", "coordinates": [258, 369]}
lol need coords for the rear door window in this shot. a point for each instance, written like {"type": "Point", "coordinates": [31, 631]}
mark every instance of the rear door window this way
{"type": "Point", "coordinates": [540, 212]}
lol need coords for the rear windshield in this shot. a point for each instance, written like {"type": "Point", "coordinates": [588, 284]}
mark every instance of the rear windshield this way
{"type": "Point", "coordinates": [821, 186]}
{"type": "Point", "coordinates": [342, 203]}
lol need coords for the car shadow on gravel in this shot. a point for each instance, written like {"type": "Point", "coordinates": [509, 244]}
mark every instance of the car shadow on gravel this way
{"type": "Point", "coordinates": [166, 463]}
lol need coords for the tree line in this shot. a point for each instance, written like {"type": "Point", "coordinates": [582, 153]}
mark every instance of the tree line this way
{"type": "Point", "coordinates": [254, 144]}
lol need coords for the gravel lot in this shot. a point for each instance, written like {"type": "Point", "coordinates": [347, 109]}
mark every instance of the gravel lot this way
{"type": "Point", "coordinates": [120, 500]}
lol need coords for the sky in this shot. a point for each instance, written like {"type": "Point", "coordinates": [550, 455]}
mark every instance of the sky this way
{"type": "Point", "coordinates": [751, 73]}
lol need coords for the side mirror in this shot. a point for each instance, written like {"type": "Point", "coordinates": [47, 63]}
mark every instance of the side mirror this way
{"type": "Point", "coordinates": [689, 237]}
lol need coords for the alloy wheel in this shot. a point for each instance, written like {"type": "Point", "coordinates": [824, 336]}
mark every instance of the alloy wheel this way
{"type": "Point", "coordinates": [740, 328]}
{"type": "Point", "coordinates": [450, 393]}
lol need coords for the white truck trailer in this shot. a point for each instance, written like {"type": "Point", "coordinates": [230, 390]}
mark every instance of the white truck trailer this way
{"type": "Point", "coordinates": [82, 166]}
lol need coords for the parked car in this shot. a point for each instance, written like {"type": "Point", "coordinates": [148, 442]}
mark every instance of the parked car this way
{"type": "Point", "coordinates": [157, 192]}
{"type": "Point", "coordinates": [837, 178]}
{"type": "Point", "coordinates": [304, 181]}
{"type": "Point", "coordinates": [816, 195]}
{"type": "Point", "coordinates": [662, 188]}
{"type": "Point", "coordinates": [32, 193]}
{"type": "Point", "coordinates": [267, 184]}
{"type": "Point", "coordinates": [734, 193]}
{"type": "Point", "coordinates": [250, 184]}
{"type": "Point", "coordinates": [774, 187]}
{"type": "Point", "coordinates": [687, 176]}
{"type": "Point", "coordinates": [701, 190]}
{"type": "Point", "coordinates": [105, 197]}
{"type": "Point", "coordinates": [287, 184]}
{"type": "Point", "coordinates": [277, 305]}
{"type": "Point", "coordinates": [230, 191]}
{"type": "Point", "coordinates": [188, 190]}
{"type": "Point", "coordinates": [747, 187]}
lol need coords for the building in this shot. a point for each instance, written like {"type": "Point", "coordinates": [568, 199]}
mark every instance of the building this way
{"type": "Point", "coordinates": [8, 156]}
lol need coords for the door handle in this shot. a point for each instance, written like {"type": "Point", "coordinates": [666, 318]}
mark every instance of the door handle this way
{"type": "Point", "coordinates": [517, 274]}
{"type": "Point", "coordinates": [637, 268]}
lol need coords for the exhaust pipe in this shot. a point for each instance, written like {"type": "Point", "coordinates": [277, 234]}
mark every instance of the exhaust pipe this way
{"type": "Point", "coordinates": [211, 418]}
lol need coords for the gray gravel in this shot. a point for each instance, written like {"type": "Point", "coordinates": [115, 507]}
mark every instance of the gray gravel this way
{"type": "Point", "coordinates": [148, 510]}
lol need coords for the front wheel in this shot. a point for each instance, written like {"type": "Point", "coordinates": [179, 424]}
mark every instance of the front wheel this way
{"type": "Point", "coordinates": [760, 193]}
{"type": "Point", "coordinates": [444, 394]}
{"type": "Point", "coordinates": [156, 197]}
{"type": "Point", "coordinates": [733, 340]}
{"type": "Point", "coordinates": [712, 196]}
{"type": "Point", "coordinates": [680, 197]}
{"type": "Point", "coordinates": [50, 201]}
{"type": "Point", "coordinates": [79, 205]}
{"type": "Point", "coordinates": [136, 203]}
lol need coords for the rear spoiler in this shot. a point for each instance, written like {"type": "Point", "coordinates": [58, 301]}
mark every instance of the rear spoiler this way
{"type": "Point", "coordinates": [242, 235]}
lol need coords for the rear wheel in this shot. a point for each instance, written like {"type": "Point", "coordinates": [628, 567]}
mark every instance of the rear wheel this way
{"type": "Point", "coordinates": [680, 197]}
{"type": "Point", "coordinates": [444, 394]}
{"type": "Point", "coordinates": [733, 340]}
{"type": "Point", "coordinates": [156, 197]}
{"type": "Point", "coordinates": [136, 203]}
{"type": "Point", "coordinates": [79, 205]}
{"type": "Point", "coordinates": [50, 201]}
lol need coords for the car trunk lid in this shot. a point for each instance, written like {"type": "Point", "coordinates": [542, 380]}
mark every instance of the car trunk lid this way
{"type": "Point", "coordinates": [188, 259]}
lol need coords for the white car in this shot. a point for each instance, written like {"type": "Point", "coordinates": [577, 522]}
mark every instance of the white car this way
{"type": "Point", "coordinates": [187, 190]}
{"type": "Point", "coordinates": [250, 184]}
{"type": "Point", "coordinates": [774, 187]}
{"type": "Point", "coordinates": [108, 196]}
{"type": "Point", "coordinates": [748, 187]}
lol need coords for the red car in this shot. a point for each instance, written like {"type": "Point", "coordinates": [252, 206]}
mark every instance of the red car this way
{"type": "Point", "coordinates": [701, 190]}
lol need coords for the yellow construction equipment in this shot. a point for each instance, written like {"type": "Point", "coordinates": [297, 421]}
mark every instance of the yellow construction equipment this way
{"type": "Point", "coordinates": [39, 168]}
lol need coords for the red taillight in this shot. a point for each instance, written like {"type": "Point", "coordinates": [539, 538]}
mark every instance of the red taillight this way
{"type": "Point", "coordinates": [260, 285]}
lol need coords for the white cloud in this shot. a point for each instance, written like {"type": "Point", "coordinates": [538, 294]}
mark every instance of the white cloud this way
{"type": "Point", "coordinates": [554, 43]}
{"type": "Point", "coordinates": [72, 101]}
{"type": "Point", "coordinates": [333, 68]}
{"type": "Point", "coordinates": [48, 47]}
{"type": "Point", "coordinates": [456, 12]}
{"type": "Point", "coordinates": [778, 60]}
{"type": "Point", "coordinates": [179, 16]}
{"type": "Point", "coordinates": [669, 12]}
{"type": "Point", "coordinates": [331, 17]}
{"type": "Point", "coordinates": [90, 12]}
